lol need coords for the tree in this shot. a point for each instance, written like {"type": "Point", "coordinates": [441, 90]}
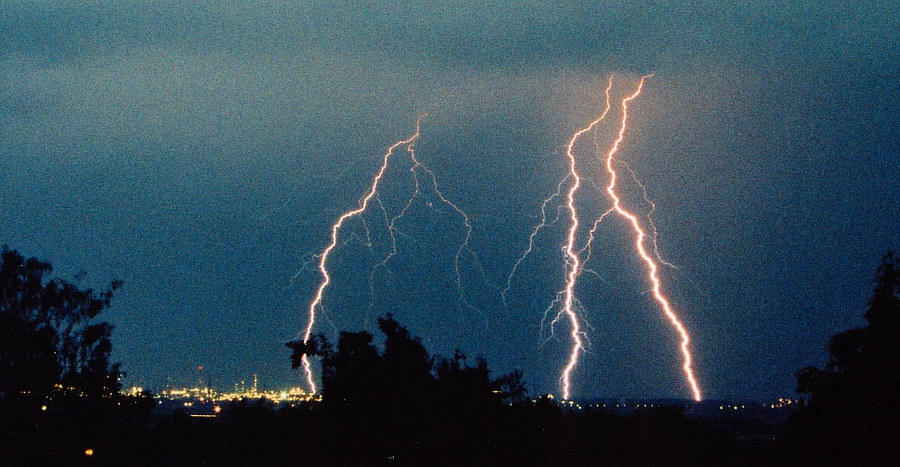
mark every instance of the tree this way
{"type": "Point", "coordinates": [511, 387]}
{"type": "Point", "coordinates": [864, 363]}
{"type": "Point", "coordinates": [854, 398]}
{"type": "Point", "coordinates": [50, 339]}
{"type": "Point", "coordinates": [404, 375]}
{"type": "Point", "coordinates": [405, 364]}
{"type": "Point", "coordinates": [463, 386]}
{"type": "Point", "coordinates": [358, 375]}
{"type": "Point", "coordinates": [352, 376]}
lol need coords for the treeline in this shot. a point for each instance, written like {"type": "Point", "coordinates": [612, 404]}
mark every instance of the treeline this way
{"type": "Point", "coordinates": [401, 404]}
{"type": "Point", "coordinates": [59, 390]}
{"type": "Point", "coordinates": [398, 405]}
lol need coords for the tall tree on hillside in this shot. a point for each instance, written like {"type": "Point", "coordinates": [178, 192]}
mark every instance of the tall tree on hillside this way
{"type": "Point", "coordinates": [853, 405]}
{"type": "Point", "coordinates": [49, 336]}
{"type": "Point", "coordinates": [865, 361]}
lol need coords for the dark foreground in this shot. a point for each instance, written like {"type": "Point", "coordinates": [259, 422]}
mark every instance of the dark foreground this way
{"type": "Point", "coordinates": [123, 432]}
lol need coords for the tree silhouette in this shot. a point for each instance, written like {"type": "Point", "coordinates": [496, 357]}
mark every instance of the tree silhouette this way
{"type": "Point", "coordinates": [50, 340]}
{"type": "Point", "coordinates": [404, 375]}
{"type": "Point", "coordinates": [853, 405]}
{"type": "Point", "coordinates": [357, 375]}
{"type": "Point", "coordinates": [405, 364]}
{"type": "Point", "coordinates": [864, 364]}
{"type": "Point", "coordinates": [512, 388]}
{"type": "Point", "coordinates": [400, 403]}
{"type": "Point", "coordinates": [463, 386]}
{"type": "Point", "coordinates": [352, 377]}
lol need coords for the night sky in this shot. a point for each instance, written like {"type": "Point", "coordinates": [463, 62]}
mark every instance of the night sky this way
{"type": "Point", "coordinates": [201, 153]}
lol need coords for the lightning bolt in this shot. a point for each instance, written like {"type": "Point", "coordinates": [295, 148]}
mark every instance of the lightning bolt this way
{"type": "Point", "coordinates": [372, 197]}
{"type": "Point", "coordinates": [573, 260]}
{"type": "Point", "coordinates": [392, 227]}
{"type": "Point", "coordinates": [640, 236]}
{"type": "Point", "coordinates": [464, 247]}
{"type": "Point", "coordinates": [576, 259]}
{"type": "Point", "coordinates": [646, 197]}
{"type": "Point", "coordinates": [335, 230]}
{"type": "Point", "coordinates": [534, 232]}
{"type": "Point", "coordinates": [568, 305]}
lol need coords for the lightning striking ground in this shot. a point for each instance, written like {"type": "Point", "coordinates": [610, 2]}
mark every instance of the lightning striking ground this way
{"type": "Point", "coordinates": [372, 196]}
{"type": "Point", "coordinates": [573, 260]}
{"type": "Point", "coordinates": [576, 259]}
{"type": "Point", "coordinates": [640, 236]}
{"type": "Point", "coordinates": [323, 257]}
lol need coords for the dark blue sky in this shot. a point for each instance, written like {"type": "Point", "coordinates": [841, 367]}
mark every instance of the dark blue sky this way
{"type": "Point", "coordinates": [200, 153]}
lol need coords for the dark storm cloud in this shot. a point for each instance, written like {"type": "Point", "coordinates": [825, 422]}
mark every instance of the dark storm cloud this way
{"type": "Point", "coordinates": [199, 152]}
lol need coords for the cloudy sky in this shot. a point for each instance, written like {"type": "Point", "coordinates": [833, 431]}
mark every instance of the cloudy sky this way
{"type": "Point", "coordinates": [200, 152]}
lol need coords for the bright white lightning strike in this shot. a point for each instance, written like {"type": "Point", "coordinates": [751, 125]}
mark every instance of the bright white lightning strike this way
{"type": "Point", "coordinates": [364, 202]}
{"type": "Point", "coordinates": [572, 258]}
{"type": "Point", "coordinates": [640, 236]}
{"type": "Point", "coordinates": [576, 259]}
{"type": "Point", "coordinates": [323, 257]}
